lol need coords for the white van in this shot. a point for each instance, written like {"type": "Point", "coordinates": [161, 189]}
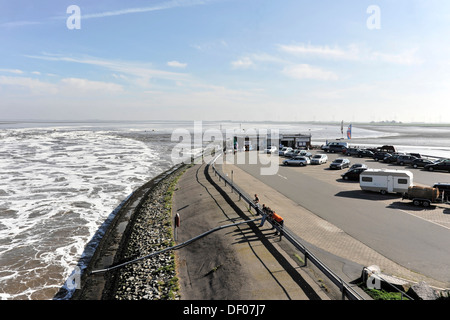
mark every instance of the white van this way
{"type": "Point", "coordinates": [384, 180]}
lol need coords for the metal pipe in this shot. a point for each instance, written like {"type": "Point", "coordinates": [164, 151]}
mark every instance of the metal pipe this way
{"type": "Point", "coordinates": [173, 247]}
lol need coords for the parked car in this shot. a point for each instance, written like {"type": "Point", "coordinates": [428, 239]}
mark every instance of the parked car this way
{"type": "Point", "coordinates": [319, 159]}
{"type": "Point", "coordinates": [405, 159]}
{"type": "Point", "coordinates": [284, 150]}
{"type": "Point", "coordinates": [340, 163]}
{"type": "Point", "coordinates": [336, 148]}
{"type": "Point", "coordinates": [365, 153]}
{"type": "Point", "coordinates": [443, 165]}
{"type": "Point", "coordinates": [392, 157]}
{"type": "Point", "coordinates": [358, 165]}
{"type": "Point", "coordinates": [297, 161]}
{"type": "Point", "coordinates": [305, 153]}
{"type": "Point", "coordinates": [352, 151]}
{"type": "Point", "coordinates": [444, 187]}
{"type": "Point", "coordinates": [271, 149]}
{"type": "Point", "coordinates": [292, 153]}
{"type": "Point", "coordinates": [353, 173]}
{"type": "Point", "coordinates": [380, 155]}
{"type": "Point", "coordinates": [335, 144]}
{"type": "Point", "coordinates": [385, 148]}
{"type": "Point", "coordinates": [420, 162]}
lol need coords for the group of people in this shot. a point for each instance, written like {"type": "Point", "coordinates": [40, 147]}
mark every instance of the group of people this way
{"type": "Point", "coordinates": [271, 215]}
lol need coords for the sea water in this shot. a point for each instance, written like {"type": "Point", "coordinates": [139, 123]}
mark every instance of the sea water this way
{"type": "Point", "coordinates": [60, 183]}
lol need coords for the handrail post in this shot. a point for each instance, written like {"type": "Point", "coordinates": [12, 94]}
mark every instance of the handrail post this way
{"type": "Point", "coordinates": [343, 291]}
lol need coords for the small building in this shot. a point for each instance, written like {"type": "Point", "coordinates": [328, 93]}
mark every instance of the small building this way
{"type": "Point", "coordinates": [254, 141]}
{"type": "Point", "coordinates": [295, 141]}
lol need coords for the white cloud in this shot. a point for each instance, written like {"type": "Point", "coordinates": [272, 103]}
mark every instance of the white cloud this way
{"type": "Point", "coordinates": [78, 86]}
{"type": "Point", "coordinates": [34, 86]}
{"type": "Point", "coordinates": [305, 71]}
{"type": "Point", "coordinates": [176, 64]}
{"type": "Point", "coordinates": [407, 57]}
{"type": "Point", "coordinates": [14, 24]}
{"type": "Point", "coordinates": [66, 87]}
{"type": "Point", "coordinates": [320, 51]}
{"type": "Point", "coordinates": [352, 52]}
{"type": "Point", "coordinates": [141, 72]}
{"type": "Point", "coordinates": [242, 63]}
{"type": "Point", "coordinates": [15, 71]}
{"type": "Point", "coordinates": [163, 6]}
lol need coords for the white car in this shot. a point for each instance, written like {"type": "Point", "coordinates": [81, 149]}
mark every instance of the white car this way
{"type": "Point", "coordinates": [284, 150]}
{"type": "Point", "coordinates": [319, 159]}
{"type": "Point", "coordinates": [271, 149]}
{"type": "Point", "coordinates": [297, 161]}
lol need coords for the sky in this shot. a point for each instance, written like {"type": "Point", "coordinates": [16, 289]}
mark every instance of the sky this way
{"type": "Point", "coordinates": [244, 60]}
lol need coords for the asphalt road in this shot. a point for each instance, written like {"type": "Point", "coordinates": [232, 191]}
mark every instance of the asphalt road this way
{"type": "Point", "coordinates": [383, 223]}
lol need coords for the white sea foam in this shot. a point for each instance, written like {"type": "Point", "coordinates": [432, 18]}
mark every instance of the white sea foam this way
{"type": "Point", "coordinates": [57, 188]}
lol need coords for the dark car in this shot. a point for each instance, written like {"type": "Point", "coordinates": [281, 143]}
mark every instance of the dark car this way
{"type": "Point", "coordinates": [380, 155]}
{"type": "Point", "coordinates": [443, 165]}
{"type": "Point", "coordinates": [388, 149]}
{"type": "Point", "coordinates": [420, 162]}
{"type": "Point", "coordinates": [353, 174]}
{"type": "Point", "coordinates": [405, 159]}
{"type": "Point", "coordinates": [340, 163]}
{"type": "Point", "coordinates": [391, 158]}
{"type": "Point", "coordinates": [352, 151]}
{"type": "Point", "coordinates": [336, 148]}
{"type": "Point", "coordinates": [365, 153]}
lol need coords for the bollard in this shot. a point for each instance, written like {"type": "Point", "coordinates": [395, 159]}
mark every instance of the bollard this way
{"type": "Point", "coordinates": [177, 225]}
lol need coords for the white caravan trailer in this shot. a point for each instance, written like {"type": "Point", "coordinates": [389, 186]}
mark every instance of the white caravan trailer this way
{"type": "Point", "coordinates": [384, 180]}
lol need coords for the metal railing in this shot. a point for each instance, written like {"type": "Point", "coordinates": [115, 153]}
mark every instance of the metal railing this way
{"type": "Point", "coordinates": [346, 290]}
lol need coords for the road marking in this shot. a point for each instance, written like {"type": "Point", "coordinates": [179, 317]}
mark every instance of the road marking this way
{"type": "Point", "coordinates": [282, 176]}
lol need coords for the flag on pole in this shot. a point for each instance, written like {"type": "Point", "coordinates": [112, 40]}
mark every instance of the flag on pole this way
{"type": "Point", "coordinates": [349, 132]}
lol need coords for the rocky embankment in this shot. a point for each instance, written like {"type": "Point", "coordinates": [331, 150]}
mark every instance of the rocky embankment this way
{"type": "Point", "coordinates": [153, 278]}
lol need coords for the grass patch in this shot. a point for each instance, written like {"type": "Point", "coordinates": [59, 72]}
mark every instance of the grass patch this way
{"type": "Point", "coordinates": [384, 295]}
{"type": "Point", "coordinates": [173, 284]}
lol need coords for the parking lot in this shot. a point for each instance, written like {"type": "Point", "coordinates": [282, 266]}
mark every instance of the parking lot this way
{"type": "Point", "coordinates": [413, 237]}
{"type": "Point", "coordinates": [437, 213]}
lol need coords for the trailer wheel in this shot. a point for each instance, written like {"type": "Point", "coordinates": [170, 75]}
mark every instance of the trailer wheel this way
{"type": "Point", "coordinates": [426, 204]}
{"type": "Point", "coordinates": [383, 192]}
{"type": "Point", "coordinates": [416, 202]}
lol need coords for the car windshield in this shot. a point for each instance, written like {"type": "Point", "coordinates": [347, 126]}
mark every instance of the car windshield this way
{"type": "Point", "coordinates": [338, 160]}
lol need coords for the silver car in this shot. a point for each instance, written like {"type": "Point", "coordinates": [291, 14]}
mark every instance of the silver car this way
{"type": "Point", "coordinates": [297, 161]}
{"type": "Point", "coordinates": [319, 159]}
